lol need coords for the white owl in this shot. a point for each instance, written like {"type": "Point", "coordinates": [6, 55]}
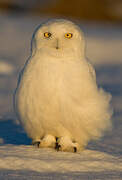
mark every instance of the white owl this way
{"type": "Point", "coordinates": [57, 99]}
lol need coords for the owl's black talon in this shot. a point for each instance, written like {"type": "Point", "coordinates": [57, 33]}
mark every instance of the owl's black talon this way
{"type": "Point", "coordinates": [36, 143]}
{"type": "Point", "coordinates": [75, 149]}
{"type": "Point", "coordinates": [57, 146]}
{"type": "Point", "coordinates": [56, 139]}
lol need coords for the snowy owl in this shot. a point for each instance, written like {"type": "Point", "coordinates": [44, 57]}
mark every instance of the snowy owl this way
{"type": "Point", "coordinates": [57, 99]}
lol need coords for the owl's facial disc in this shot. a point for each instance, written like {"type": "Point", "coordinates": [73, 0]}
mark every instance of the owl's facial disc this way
{"type": "Point", "coordinates": [57, 44]}
{"type": "Point", "coordinates": [59, 37]}
{"type": "Point", "coordinates": [48, 35]}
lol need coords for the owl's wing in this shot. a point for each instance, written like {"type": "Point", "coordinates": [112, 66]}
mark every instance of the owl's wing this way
{"type": "Point", "coordinates": [19, 77]}
{"type": "Point", "coordinates": [22, 70]}
{"type": "Point", "coordinates": [91, 70]}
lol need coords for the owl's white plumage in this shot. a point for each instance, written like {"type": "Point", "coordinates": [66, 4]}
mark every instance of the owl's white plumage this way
{"type": "Point", "coordinates": [57, 98]}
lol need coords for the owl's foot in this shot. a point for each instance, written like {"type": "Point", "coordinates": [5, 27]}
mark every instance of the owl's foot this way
{"type": "Point", "coordinates": [66, 144]}
{"type": "Point", "coordinates": [36, 143]}
{"type": "Point", "coordinates": [48, 141]}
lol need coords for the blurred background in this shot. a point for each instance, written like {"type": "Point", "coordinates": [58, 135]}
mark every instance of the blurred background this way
{"type": "Point", "coordinates": [101, 21]}
{"type": "Point", "coordinates": [94, 10]}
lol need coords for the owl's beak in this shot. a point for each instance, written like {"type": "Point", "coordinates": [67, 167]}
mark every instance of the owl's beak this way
{"type": "Point", "coordinates": [57, 44]}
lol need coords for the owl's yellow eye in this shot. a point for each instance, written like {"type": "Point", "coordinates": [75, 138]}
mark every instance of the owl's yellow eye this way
{"type": "Point", "coordinates": [47, 34]}
{"type": "Point", "coordinates": [68, 35]}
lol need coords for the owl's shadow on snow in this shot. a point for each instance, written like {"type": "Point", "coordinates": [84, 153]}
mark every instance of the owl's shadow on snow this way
{"type": "Point", "coordinates": [13, 133]}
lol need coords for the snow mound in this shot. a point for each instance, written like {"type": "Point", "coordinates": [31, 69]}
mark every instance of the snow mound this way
{"type": "Point", "coordinates": [48, 160]}
{"type": "Point", "coordinates": [1, 141]}
{"type": "Point", "coordinates": [6, 68]}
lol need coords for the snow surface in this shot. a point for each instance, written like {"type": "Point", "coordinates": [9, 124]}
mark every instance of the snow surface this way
{"type": "Point", "coordinates": [20, 160]}
{"type": "Point", "coordinates": [5, 68]}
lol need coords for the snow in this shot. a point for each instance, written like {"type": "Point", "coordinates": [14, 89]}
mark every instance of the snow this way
{"type": "Point", "coordinates": [47, 160]}
{"type": "Point", "coordinates": [1, 141]}
{"type": "Point", "coordinates": [20, 160]}
{"type": "Point", "coordinates": [6, 68]}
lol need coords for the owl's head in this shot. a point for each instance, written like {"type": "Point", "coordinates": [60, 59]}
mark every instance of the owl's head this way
{"type": "Point", "coordinates": [58, 37]}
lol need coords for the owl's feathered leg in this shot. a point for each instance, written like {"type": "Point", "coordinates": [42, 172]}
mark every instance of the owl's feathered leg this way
{"type": "Point", "coordinates": [66, 144]}
{"type": "Point", "coordinates": [48, 141]}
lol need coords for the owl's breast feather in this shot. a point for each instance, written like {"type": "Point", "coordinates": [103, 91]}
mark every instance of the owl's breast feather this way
{"type": "Point", "coordinates": [52, 79]}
